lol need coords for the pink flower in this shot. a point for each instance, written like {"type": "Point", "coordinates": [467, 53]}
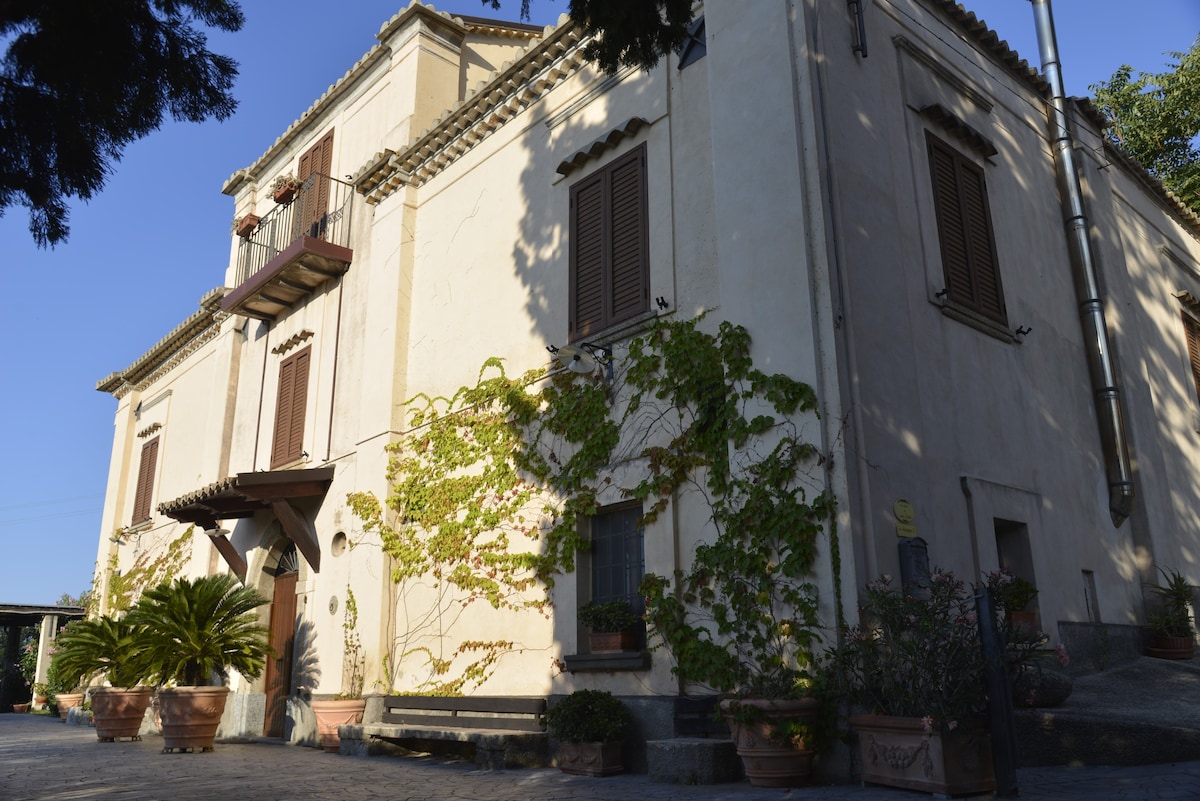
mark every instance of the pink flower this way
{"type": "Point", "coordinates": [1061, 652]}
{"type": "Point", "coordinates": [927, 724]}
{"type": "Point", "coordinates": [952, 725]}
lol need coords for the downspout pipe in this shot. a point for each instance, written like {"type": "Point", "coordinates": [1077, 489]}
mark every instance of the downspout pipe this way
{"type": "Point", "coordinates": [1106, 392]}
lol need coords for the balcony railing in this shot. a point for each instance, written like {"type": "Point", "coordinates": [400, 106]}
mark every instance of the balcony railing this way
{"type": "Point", "coordinates": [295, 248]}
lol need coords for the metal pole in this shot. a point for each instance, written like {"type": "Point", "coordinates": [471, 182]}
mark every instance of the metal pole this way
{"type": "Point", "coordinates": [999, 692]}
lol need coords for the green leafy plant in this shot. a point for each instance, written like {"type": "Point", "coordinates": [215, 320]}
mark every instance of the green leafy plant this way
{"type": "Point", "coordinates": [916, 652]}
{"type": "Point", "coordinates": [195, 629]}
{"type": "Point", "coordinates": [1173, 619]}
{"type": "Point", "coordinates": [353, 662]}
{"type": "Point", "coordinates": [588, 716]}
{"type": "Point", "coordinates": [608, 617]}
{"type": "Point", "coordinates": [102, 645]}
{"type": "Point", "coordinates": [1011, 593]}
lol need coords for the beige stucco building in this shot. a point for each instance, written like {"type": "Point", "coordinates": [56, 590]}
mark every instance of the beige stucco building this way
{"type": "Point", "coordinates": [889, 229]}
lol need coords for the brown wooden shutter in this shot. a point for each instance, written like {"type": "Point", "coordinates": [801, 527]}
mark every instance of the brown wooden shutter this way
{"type": "Point", "coordinates": [965, 231]}
{"type": "Point", "coordinates": [288, 443]}
{"type": "Point", "coordinates": [630, 246]}
{"type": "Point", "coordinates": [587, 257]}
{"type": "Point", "coordinates": [314, 203]}
{"type": "Point", "coordinates": [609, 246]}
{"type": "Point", "coordinates": [1191, 330]}
{"type": "Point", "coordinates": [145, 482]}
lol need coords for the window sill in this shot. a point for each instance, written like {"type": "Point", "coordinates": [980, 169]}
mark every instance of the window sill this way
{"type": "Point", "coordinates": [977, 321]}
{"type": "Point", "coordinates": [592, 663]}
{"type": "Point", "coordinates": [626, 329]}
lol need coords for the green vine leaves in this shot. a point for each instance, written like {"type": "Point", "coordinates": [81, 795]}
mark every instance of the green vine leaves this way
{"type": "Point", "coordinates": [488, 487]}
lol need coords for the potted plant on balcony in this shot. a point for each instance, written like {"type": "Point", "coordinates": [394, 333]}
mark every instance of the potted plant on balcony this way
{"type": "Point", "coordinates": [347, 707]}
{"type": "Point", "coordinates": [589, 725]}
{"type": "Point", "coordinates": [915, 667]}
{"type": "Point", "coordinates": [1171, 633]}
{"type": "Point", "coordinates": [612, 625]}
{"type": "Point", "coordinates": [110, 646]}
{"type": "Point", "coordinates": [192, 633]}
{"type": "Point", "coordinates": [284, 188]}
{"type": "Point", "coordinates": [246, 225]}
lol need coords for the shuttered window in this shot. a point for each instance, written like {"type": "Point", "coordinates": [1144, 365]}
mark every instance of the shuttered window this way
{"type": "Point", "coordinates": [1191, 330]}
{"type": "Point", "coordinates": [145, 482]}
{"type": "Point", "coordinates": [609, 247]}
{"type": "Point", "coordinates": [288, 445]}
{"type": "Point", "coordinates": [312, 216]}
{"type": "Point", "coordinates": [965, 231]}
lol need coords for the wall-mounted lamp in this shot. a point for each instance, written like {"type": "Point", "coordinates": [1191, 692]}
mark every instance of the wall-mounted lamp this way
{"type": "Point", "coordinates": [584, 357]}
{"type": "Point", "coordinates": [1021, 332]}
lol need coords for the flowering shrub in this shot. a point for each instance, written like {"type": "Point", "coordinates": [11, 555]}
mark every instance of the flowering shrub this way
{"type": "Point", "coordinates": [1009, 592]}
{"type": "Point", "coordinates": [916, 652]}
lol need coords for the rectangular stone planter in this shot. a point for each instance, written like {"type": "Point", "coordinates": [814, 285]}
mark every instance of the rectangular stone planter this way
{"type": "Point", "coordinates": [899, 752]}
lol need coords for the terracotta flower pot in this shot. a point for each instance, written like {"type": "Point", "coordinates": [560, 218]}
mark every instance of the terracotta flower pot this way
{"type": "Point", "coordinates": [66, 701]}
{"type": "Point", "coordinates": [899, 752]}
{"type": "Point", "coordinates": [333, 713]}
{"type": "Point", "coordinates": [1163, 647]}
{"type": "Point", "coordinates": [20, 709]}
{"type": "Point", "coordinates": [118, 712]}
{"type": "Point", "coordinates": [190, 716]}
{"type": "Point", "coordinates": [769, 761]}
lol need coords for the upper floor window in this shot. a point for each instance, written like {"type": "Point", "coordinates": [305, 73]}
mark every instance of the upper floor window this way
{"type": "Point", "coordinates": [288, 444]}
{"type": "Point", "coordinates": [965, 231]}
{"type": "Point", "coordinates": [1191, 331]}
{"type": "Point", "coordinates": [609, 247]}
{"type": "Point", "coordinates": [145, 482]}
{"type": "Point", "coordinates": [316, 164]}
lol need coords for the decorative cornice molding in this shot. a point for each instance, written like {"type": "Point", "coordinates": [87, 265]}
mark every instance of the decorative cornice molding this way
{"type": "Point", "coordinates": [516, 86]}
{"type": "Point", "coordinates": [197, 329]}
{"type": "Point", "coordinates": [148, 430]}
{"type": "Point", "coordinates": [291, 342]}
{"type": "Point", "coordinates": [602, 145]}
{"type": "Point", "coordinates": [948, 122]}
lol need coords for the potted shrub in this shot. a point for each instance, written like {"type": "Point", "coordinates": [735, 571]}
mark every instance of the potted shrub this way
{"type": "Point", "coordinates": [62, 688]}
{"type": "Point", "coordinates": [1012, 595]}
{"type": "Point", "coordinates": [192, 633]}
{"type": "Point", "coordinates": [284, 188]}
{"type": "Point", "coordinates": [246, 225]}
{"type": "Point", "coordinates": [1171, 632]}
{"type": "Point", "coordinates": [612, 625]}
{"type": "Point", "coordinates": [915, 667]}
{"type": "Point", "coordinates": [110, 646]}
{"type": "Point", "coordinates": [347, 707]}
{"type": "Point", "coordinates": [589, 725]}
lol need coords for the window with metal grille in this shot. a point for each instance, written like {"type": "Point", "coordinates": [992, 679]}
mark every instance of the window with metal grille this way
{"type": "Point", "coordinates": [145, 482]}
{"type": "Point", "coordinates": [609, 247]}
{"type": "Point", "coordinates": [288, 444]}
{"type": "Point", "coordinates": [617, 557]}
{"type": "Point", "coordinates": [965, 232]}
{"type": "Point", "coordinates": [1191, 332]}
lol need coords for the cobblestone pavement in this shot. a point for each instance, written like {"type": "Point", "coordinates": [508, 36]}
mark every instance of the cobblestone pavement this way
{"type": "Point", "coordinates": [42, 759]}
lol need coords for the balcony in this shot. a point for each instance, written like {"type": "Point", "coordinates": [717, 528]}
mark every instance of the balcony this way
{"type": "Point", "coordinates": [294, 249]}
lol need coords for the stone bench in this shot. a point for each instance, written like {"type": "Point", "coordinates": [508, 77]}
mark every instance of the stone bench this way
{"type": "Point", "coordinates": [499, 732]}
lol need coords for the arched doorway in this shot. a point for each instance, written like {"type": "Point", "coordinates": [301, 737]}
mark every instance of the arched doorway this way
{"type": "Point", "coordinates": [283, 638]}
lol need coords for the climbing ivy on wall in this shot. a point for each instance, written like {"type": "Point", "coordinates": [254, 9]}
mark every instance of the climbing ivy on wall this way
{"type": "Point", "coordinates": [488, 486]}
{"type": "Point", "coordinates": [122, 589]}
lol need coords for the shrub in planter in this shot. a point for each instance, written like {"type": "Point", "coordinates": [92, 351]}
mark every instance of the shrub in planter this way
{"type": "Point", "coordinates": [192, 633]}
{"type": "Point", "coordinates": [1173, 636]}
{"type": "Point", "coordinates": [589, 725]}
{"type": "Point", "coordinates": [110, 646]}
{"type": "Point", "coordinates": [612, 625]}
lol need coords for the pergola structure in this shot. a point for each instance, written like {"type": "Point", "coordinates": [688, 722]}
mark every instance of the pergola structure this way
{"type": "Point", "coordinates": [13, 618]}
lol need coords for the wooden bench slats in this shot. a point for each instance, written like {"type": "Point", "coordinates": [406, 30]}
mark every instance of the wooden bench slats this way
{"type": "Point", "coordinates": [500, 705]}
{"type": "Point", "coordinates": [463, 722]}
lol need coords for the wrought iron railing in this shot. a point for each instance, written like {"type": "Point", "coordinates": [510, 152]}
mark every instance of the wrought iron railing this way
{"type": "Point", "coordinates": [320, 208]}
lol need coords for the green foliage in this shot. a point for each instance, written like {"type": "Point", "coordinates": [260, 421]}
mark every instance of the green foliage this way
{"type": "Point", "coordinates": [1156, 119]}
{"type": "Point", "coordinates": [123, 589]}
{"type": "Point", "coordinates": [1010, 593]}
{"type": "Point", "coordinates": [635, 33]}
{"type": "Point", "coordinates": [80, 81]}
{"type": "Point", "coordinates": [916, 651]}
{"type": "Point", "coordinates": [608, 617]}
{"type": "Point", "coordinates": [1173, 618]}
{"type": "Point", "coordinates": [588, 716]}
{"type": "Point", "coordinates": [353, 662]}
{"type": "Point", "coordinates": [101, 644]}
{"type": "Point", "coordinates": [192, 630]}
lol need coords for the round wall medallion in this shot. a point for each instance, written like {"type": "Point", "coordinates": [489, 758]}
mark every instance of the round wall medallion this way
{"type": "Point", "coordinates": [333, 604]}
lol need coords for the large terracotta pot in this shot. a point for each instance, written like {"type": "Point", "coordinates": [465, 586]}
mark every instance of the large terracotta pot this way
{"type": "Point", "coordinates": [331, 714]}
{"type": "Point", "coordinates": [67, 700]}
{"type": "Point", "coordinates": [769, 760]}
{"type": "Point", "coordinates": [899, 752]}
{"type": "Point", "coordinates": [190, 716]}
{"type": "Point", "coordinates": [118, 712]}
{"type": "Point", "coordinates": [1164, 647]}
{"type": "Point", "coordinates": [590, 759]}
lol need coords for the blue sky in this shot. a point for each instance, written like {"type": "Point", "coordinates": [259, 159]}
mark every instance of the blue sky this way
{"type": "Point", "coordinates": [142, 253]}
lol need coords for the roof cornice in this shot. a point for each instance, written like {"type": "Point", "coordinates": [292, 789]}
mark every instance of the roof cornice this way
{"type": "Point", "coordinates": [171, 349]}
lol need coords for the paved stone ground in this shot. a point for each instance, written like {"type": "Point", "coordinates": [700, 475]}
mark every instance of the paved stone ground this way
{"type": "Point", "coordinates": [42, 759]}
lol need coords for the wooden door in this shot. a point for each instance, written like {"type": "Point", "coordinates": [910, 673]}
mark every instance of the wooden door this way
{"type": "Point", "coordinates": [279, 663]}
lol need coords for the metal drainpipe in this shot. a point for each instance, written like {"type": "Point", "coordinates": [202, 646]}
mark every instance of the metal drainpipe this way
{"type": "Point", "coordinates": [1091, 306]}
